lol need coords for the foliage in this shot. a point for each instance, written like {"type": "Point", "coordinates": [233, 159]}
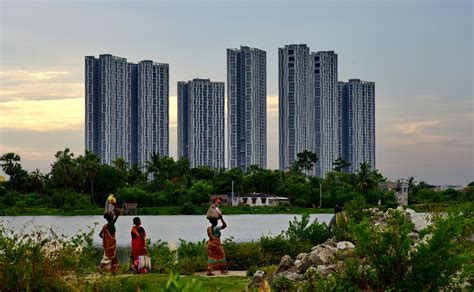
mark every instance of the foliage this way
{"type": "Point", "coordinates": [314, 233]}
{"type": "Point", "coordinates": [38, 260]}
{"type": "Point", "coordinates": [192, 257]}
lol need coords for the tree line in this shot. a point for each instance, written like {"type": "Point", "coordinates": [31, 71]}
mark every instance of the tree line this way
{"type": "Point", "coordinates": [82, 181]}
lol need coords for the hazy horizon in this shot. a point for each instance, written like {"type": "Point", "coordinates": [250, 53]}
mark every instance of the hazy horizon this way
{"type": "Point", "coordinates": [419, 54]}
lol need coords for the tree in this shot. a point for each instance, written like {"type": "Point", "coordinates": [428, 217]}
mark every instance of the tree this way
{"type": "Point", "coordinates": [11, 166]}
{"type": "Point", "coordinates": [304, 161]}
{"type": "Point", "coordinates": [65, 171]}
{"type": "Point", "coordinates": [365, 180]}
{"type": "Point", "coordinates": [89, 165]}
{"type": "Point", "coordinates": [120, 164]}
{"type": "Point", "coordinates": [37, 181]}
{"type": "Point", "coordinates": [340, 164]}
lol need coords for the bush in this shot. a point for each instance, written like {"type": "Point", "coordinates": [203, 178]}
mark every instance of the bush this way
{"type": "Point", "coordinates": [37, 260]}
{"type": "Point", "coordinates": [243, 255]}
{"type": "Point", "coordinates": [192, 257]}
{"type": "Point", "coordinates": [300, 232]}
{"type": "Point", "coordinates": [163, 258]}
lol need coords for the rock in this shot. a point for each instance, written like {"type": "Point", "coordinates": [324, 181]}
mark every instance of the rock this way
{"type": "Point", "coordinates": [326, 270]}
{"type": "Point", "coordinates": [413, 235]}
{"type": "Point", "coordinates": [285, 264]}
{"type": "Point", "coordinates": [343, 245]}
{"type": "Point", "coordinates": [344, 254]}
{"type": "Point", "coordinates": [257, 279]}
{"type": "Point", "coordinates": [321, 256]}
{"type": "Point", "coordinates": [293, 276]}
{"type": "Point", "coordinates": [416, 219]}
{"type": "Point", "coordinates": [303, 263]}
{"type": "Point", "coordinates": [331, 242]}
{"type": "Point", "coordinates": [301, 255]}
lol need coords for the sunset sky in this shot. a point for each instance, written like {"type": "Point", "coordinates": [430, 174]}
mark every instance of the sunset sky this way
{"type": "Point", "coordinates": [419, 54]}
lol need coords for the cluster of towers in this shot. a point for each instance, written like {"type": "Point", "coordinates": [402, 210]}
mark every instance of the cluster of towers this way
{"type": "Point", "coordinates": [127, 111]}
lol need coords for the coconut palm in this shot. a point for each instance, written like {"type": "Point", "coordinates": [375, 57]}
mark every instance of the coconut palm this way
{"type": "Point", "coordinates": [365, 179]}
{"type": "Point", "coordinates": [89, 165]}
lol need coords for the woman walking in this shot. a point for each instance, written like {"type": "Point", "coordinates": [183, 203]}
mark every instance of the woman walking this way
{"type": "Point", "coordinates": [215, 251]}
{"type": "Point", "coordinates": [139, 249]}
{"type": "Point", "coordinates": [109, 260]}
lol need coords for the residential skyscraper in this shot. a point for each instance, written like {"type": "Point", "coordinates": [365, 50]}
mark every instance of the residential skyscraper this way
{"type": "Point", "coordinates": [201, 122]}
{"type": "Point", "coordinates": [108, 107]}
{"type": "Point", "coordinates": [126, 109]}
{"type": "Point", "coordinates": [246, 107]}
{"type": "Point", "coordinates": [152, 110]}
{"type": "Point", "coordinates": [326, 111]}
{"type": "Point", "coordinates": [296, 103]}
{"type": "Point", "coordinates": [358, 123]}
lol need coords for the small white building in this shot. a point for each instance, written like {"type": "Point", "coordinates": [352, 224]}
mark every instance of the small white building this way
{"type": "Point", "coordinates": [259, 199]}
{"type": "Point", "coordinates": [400, 188]}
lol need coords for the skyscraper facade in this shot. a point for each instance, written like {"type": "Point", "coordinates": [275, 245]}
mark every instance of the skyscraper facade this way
{"type": "Point", "coordinates": [358, 123]}
{"type": "Point", "coordinates": [246, 107]}
{"type": "Point", "coordinates": [108, 107]}
{"type": "Point", "coordinates": [326, 111]}
{"type": "Point", "coordinates": [126, 109]}
{"type": "Point", "coordinates": [201, 122]}
{"type": "Point", "coordinates": [296, 103]}
{"type": "Point", "coordinates": [152, 110]}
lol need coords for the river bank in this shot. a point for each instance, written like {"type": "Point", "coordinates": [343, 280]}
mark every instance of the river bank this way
{"type": "Point", "coordinates": [174, 210]}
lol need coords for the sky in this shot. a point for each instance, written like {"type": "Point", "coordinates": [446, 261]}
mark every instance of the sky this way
{"type": "Point", "coordinates": [418, 53]}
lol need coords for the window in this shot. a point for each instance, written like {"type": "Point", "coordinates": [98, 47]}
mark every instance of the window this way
{"type": "Point", "coordinates": [254, 200]}
{"type": "Point", "coordinates": [264, 200]}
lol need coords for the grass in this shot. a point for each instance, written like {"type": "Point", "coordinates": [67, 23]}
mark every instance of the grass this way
{"type": "Point", "coordinates": [157, 282]}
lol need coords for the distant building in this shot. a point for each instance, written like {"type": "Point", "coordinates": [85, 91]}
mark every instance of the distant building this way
{"type": "Point", "coordinates": [259, 199]}
{"type": "Point", "coordinates": [358, 123]}
{"type": "Point", "coordinates": [201, 122]}
{"type": "Point", "coordinates": [400, 188]}
{"type": "Point", "coordinates": [296, 103]}
{"type": "Point", "coordinates": [108, 107]}
{"type": "Point", "coordinates": [127, 108]}
{"type": "Point", "coordinates": [152, 111]}
{"type": "Point", "coordinates": [326, 111]}
{"type": "Point", "coordinates": [247, 107]}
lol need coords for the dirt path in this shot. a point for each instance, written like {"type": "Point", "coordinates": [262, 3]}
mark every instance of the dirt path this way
{"type": "Point", "coordinates": [218, 274]}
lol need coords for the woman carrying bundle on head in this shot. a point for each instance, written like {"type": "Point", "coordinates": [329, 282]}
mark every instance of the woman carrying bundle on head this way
{"type": "Point", "coordinates": [215, 251]}
{"type": "Point", "coordinates": [109, 260]}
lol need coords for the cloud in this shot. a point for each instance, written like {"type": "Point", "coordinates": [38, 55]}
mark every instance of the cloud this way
{"type": "Point", "coordinates": [43, 115]}
{"type": "Point", "coordinates": [416, 127]}
{"type": "Point", "coordinates": [39, 85]}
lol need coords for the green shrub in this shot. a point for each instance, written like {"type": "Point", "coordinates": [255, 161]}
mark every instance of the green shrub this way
{"type": "Point", "coordinates": [283, 284]}
{"type": "Point", "coordinates": [299, 231]}
{"type": "Point", "coordinates": [37, 260]}
{"type": "Point", "coordinates": [163, 258]}
{"type": "Point", "coordinates": [192, 257]}
{"type": "Point", "coordinates": [243, 255]}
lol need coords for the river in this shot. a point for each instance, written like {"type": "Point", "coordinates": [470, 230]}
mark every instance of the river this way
{"type": "Point", "coordinates": [166, 228]}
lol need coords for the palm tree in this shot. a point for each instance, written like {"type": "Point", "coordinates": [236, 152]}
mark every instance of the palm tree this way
{"type": "Point", "coordinates": [64, 169]}
{"type": "Point", "coordinates": [120, 164]}
{"type": "Point", "coordinates": [37, 180]}
{"type": "Point", "coordinates": [153, 166]}
{"type": "Point", "coordinates": [10, 165]}
{"type": "Point", "coordinates": [364, 179]}
{"type": "Point", "coordinates": [89, 165]}
{"type": "Point", "coordinates": [340, 164]}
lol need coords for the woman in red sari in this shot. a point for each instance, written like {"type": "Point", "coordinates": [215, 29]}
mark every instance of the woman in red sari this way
{"type": "Point", "coordinates": [109, 260]}
{"type": "Point", "coordinates": [138, 245]}
{"type": "Point", "coordinates": [215, 251]}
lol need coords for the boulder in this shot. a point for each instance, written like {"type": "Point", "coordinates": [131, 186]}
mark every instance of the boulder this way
{"type": "Point", "coordinates": [257, 279]}
{"type": "Point", "coordinates": [301, 255]}
{"type": "Point", "coordinates": [293, 276]}
{"type": "Point", "coordinates": [302, 264]}
{"type": "Point", "coordinates": [326, 269]}
{"type": "Point", "coordinates": [344, 254]}
{"type": "Point", "coordinates": [344, 245]}
{"type": "Point", "coordinates": [285, 264]}
{"type": "Point", "coordinates": [321, 256]}
{"type": "Point", "coordinates": [416, 219]}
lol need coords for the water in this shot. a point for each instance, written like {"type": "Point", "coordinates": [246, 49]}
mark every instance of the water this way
{"type": "Point", "coordinates": [166, 228]}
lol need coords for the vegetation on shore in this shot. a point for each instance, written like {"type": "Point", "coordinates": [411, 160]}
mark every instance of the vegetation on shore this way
{"type": "Point", "coordinates": [45, 260]}
{"type": "Point", "coordinates": [80, 185]}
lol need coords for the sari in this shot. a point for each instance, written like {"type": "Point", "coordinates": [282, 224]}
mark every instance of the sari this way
{"type": "Point", "coordinates": [138, 248]}
{"type": "Point", "coordinates": [110, 259]}
{"type": "Point", "coordinates": [215, 251]}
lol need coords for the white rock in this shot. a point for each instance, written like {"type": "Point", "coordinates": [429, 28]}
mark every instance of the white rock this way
{"type": "Point", "coordinates": [343, 245]}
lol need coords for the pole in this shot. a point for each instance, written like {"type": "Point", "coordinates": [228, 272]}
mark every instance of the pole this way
{"type": "Point", "coordinates": [320, 196]}
{"type": "Point", "coordinates": [232, 194]}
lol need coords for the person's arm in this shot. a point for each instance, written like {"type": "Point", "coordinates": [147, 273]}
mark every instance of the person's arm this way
{"type": "Point", "coordinates": [224, 225]}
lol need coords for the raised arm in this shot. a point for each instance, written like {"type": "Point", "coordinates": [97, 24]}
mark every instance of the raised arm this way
{"type": "Point", "coordinates": [224, 225]}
